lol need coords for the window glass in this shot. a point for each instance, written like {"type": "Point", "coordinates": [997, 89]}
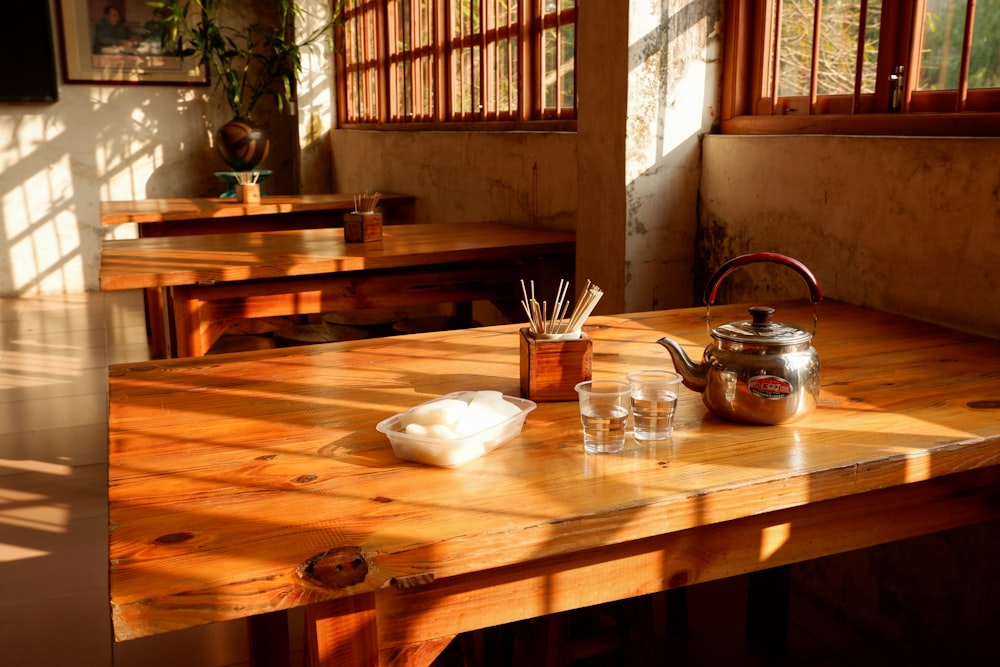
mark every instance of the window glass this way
{"type": "Point", "coordinates": [848, 70]}
{"type": "Point", "coordinates": [984, 64]}
{"type": "Point", "coordinates": [943, 37]}
{"type": "Point", "coordinates": [457, 61]}
{"type": "Point", "coordinates": [795, 47]}
{"type": "Point", "coordinates": [838, 46]}
{"type": "Point", "coordinates": [941, 49]}
{"type": "Point", "coordinates": [559, 58]}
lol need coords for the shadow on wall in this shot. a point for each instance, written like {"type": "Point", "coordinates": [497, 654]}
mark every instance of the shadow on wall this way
{"type": "Point", "coordinates": [104, 143]}
{"type": "Point", "coordinates": [673, 79]}
{"type": "Point", "coordinates": [95, 143]}
{"type": "Point", "coordinates": [902, 224]}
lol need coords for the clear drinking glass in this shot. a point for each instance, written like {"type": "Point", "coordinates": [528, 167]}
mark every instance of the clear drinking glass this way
{"type": "Point", "coordinates": [654, 400]}
{"type": "Point", "coordinates": [604, 409]}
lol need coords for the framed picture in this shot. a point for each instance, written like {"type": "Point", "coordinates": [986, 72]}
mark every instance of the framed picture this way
{"type": "Point", "coordinates": [120, 41]}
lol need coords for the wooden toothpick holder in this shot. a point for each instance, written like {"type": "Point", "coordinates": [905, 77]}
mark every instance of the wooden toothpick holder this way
{"type": "Point", "coordinates": [550, 369]}
{"type": "Point", "coordinates": [362, 227]}
{"type": "Point", "coordinates": [248, 193]}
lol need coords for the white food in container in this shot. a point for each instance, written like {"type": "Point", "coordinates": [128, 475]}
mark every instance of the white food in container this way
{"type": "Point", "coordinates": [455, 428]}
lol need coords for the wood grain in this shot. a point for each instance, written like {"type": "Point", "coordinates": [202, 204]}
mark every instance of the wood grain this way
{"type": "Point", "coordinates": [197, 285]}
{"type": "Point", "coordinates": [229, 475]}
{"type": "Point", "coordinates": [147, 211]}
{"type": "Point", "coordinates": [214, 258]}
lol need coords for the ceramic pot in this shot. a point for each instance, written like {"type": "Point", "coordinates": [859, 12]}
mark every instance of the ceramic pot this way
{"type": "Point", "coordinates": [243, 144]}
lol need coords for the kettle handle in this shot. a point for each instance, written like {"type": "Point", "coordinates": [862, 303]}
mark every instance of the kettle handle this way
{"type": "Point", "coordinates": [815, 294]}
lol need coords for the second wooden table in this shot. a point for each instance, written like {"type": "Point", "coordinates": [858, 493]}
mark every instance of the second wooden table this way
{"type": "Point", "coordinates": [184, 216]}
{"type": "Point", "coordinates": [206, 282]}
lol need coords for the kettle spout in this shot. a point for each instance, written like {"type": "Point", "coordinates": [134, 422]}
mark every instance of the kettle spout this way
{"type": "Point", "coordinates": [694, 374]}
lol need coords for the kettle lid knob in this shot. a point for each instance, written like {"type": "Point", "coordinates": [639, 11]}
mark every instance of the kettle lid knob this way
{"type": "Point", "coordinates": [761, 316]}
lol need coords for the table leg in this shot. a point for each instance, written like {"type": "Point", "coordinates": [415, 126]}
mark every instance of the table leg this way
{"type": "Point", "coordinates": [268, 638]}
{"type": "Point", "coordinates": [767, 610]}
{"type": "Point", "coordinates": [193, 331]}
{"type": "Point", "coordinates": [677, 611]}
{"type": "Point", "coordinates": [342, 632]}
{"type": "Point", "coordinates": [156, 326]}
{"type": "Point", "coordinates": [463, 311]}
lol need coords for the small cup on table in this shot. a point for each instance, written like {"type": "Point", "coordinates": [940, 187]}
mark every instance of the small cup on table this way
{"type": "Point", "coordinates": [604, 408]}
{"type": "Point", "coordinates": [653, 402]}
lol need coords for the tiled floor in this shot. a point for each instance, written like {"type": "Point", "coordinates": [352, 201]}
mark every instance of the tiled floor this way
{"type": "Point", "coordinates": [54, 354]}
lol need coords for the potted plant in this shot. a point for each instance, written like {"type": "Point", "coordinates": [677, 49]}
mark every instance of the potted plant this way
{"type": "Point", "coordinates": [250, 61]}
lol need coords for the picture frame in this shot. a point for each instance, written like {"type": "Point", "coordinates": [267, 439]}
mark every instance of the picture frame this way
{"type": "Point", "coordinates": [119, 42]}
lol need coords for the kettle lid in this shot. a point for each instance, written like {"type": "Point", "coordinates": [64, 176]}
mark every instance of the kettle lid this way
{"type": "Point", "coordinates": [761, 329]}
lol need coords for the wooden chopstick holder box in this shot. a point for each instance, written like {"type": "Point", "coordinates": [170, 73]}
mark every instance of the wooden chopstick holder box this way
{"type": "Point", "coordinates": [550, 369]}
{"type": "Point", "coordinates": [362, 227]}
{"type": "Point", "coordinates": [248, 193]}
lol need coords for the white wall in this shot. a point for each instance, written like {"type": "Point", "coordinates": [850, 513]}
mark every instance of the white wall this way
{"type": "Point", "coordinates": [102, 142]}
{"type": "Point", "coordinates": [59, 160]}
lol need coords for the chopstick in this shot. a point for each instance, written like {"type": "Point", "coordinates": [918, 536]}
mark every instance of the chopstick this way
{"type": "Point", "coordinates": [366, 203]}
{"type": "Point", "coordinates": [246, 177]}
{"type": "Point", "coordinates": [586, 302]}
{"type": "Point", "coordinates": [540, 320]}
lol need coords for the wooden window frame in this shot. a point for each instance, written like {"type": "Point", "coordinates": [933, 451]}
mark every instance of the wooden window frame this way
{"type": "Point", "coordinates": [529, 115]}
{"type": "Point", "coordinates": [748, 106]}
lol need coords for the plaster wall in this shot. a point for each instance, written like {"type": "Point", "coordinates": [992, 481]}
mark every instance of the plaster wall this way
{"type": "Point", "coordinates": [525, 178]}
{"type": "Point", "coordinates": [673, 69]}
{"type": "Point", "coordinates": [104, 142]}
{"type": "Point", "coordinates": [626, 181]}
{"type": "Point", "coordinates": [906, 225]}
{"type": "Point", "coordinates": [571, 180]}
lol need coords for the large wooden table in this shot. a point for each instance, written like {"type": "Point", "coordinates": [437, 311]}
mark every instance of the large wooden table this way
{"type": "Point", "coordinates": [183, 216]}
{"type": "Point", "coordinates": [256, 482]}
{"type": "Point", "coordinates": [203, 283]}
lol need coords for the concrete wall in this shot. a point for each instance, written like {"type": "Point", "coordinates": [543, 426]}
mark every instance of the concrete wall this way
{"type": "Point", "coordinates": [906, 225]}
{"type": "Point", "coordinates": [626, 181]}
{"type": "Point", "coordinates": [526, 178]}
{"type": "Point", "coordinates": [673, 74]}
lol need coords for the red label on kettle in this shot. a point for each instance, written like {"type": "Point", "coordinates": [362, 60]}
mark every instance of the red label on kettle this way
{"type": "Point", "coordinates": [769, 386]}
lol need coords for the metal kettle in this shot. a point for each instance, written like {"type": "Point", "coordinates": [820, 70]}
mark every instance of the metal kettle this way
{"type": "Point", "coordinates": [756, 371]}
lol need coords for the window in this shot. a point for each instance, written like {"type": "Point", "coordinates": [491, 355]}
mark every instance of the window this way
{"type": "Point", "coordinates": [458, 63]}
{"type": "Point", "coordinates": [834, 66]}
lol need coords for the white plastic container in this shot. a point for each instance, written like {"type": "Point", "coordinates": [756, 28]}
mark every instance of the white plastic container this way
{"type": "Point", "coordinates": [452, 452]}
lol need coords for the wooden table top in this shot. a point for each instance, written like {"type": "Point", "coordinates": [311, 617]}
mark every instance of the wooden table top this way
{"type": "Point", "coordinates": [230, 476]}
{"type": "Point", "coordinates": [194, 208]}
{"type": "Point", "coordinates": [210, 258]}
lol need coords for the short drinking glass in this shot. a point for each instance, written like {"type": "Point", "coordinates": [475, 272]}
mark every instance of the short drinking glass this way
{"type": "Point", "coordinates": [604, 406]}
{"type": "Point", "coordinates": [654, 399]}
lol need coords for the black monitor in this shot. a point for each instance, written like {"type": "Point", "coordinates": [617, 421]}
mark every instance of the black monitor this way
{"type": "Point", "coordinates": [29, 74]}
